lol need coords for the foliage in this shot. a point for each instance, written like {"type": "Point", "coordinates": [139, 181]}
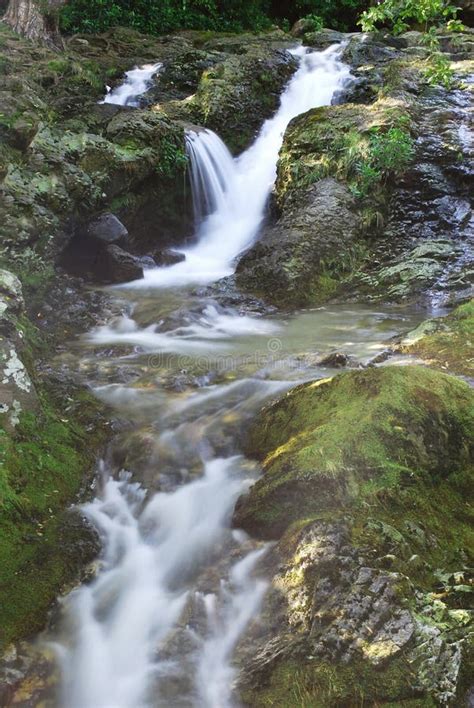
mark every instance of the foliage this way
{"type": "Point", "coordinates": [341, 15]}
{"type": "Point", "coordinates": [160, 16]}
{"type": "Point", "coordinates": [389, 153]}
{"type": "Point", "coordinates": [400, 15]}
{"type": "Point", "coordinates": [439, 71]}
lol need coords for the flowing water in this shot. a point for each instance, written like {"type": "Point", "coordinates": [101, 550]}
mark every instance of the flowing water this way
{"type": "Point", "coordinates": [177, 587]}
{"type": "Point", "coordinates": [137, 82]}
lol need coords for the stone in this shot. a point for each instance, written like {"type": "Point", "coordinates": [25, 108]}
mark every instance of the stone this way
{"type": "Point", "coordinates": [322, 39]}
{"type": "Point", "coordinates": [120, 266]}
{"type": "Point", "coordinates": [11, 293]}
{"type": "Point", "coordinates": [168, 257]}
{"type": "Point", "coordinates": [290, 262]}
{"type": "Point", "coordinates": [108, 229]}
{"type": "Point", "coordinates": [336, 360]}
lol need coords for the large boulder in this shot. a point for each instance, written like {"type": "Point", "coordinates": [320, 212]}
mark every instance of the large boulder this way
{"type": "Point", "coordinates": [326, 444]}
{"type": "Point", "coordinates": [366, 485]}
{"type": "Point", "coordinates": [107, 229]}
{"type": "Point", "coordinates": [301, 258]}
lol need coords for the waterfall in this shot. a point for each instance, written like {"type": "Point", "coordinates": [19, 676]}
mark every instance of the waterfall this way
{"type": "Point", "coordinates": [176, 588]}
{"type": "Point", "coordinates": [212, 173]}
{"type": "Point", "coordinates": [232, 195]}
{"type": "Point", "coordinates": [137, 82]}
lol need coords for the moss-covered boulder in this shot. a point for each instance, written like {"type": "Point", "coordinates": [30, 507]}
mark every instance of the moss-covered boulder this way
{"type": "Point", "coordinates": [326, 171]}
{"type": "Point", "coordinates": [49, 436]}
{"type": "Point", "coordinates": [236, 95]}
{"type": "Point", "coordinates": [327, 444]}
{"type": "Point", "coordinates": [367, 482]}
{"type": "Point", "coordinates": [446, 342]}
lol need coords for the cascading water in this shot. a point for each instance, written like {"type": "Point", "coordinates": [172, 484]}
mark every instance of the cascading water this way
{"type": "Point", "coordinates": [235, 192]}
{"type": "Point", "coordinates": [137, 82]}
{"type": "Point", "coordinates": [172, 554]}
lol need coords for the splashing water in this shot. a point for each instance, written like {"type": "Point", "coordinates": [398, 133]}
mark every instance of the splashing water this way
{"type": "Point", "coordinates": [232, 194]}
{"type": "Point", "coordinates": [136, 83]}
{"type": "Point", "coordinates": [152, 552]}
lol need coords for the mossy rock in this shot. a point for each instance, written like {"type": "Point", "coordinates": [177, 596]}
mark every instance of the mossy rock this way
{"type": "Point", "coordinates": [328, 445]}
{"type": "Point", "coordinates": [446, 343]}
{"type": "Point", "coordinates": [333, 141]}
{"type": "Point", "coordinates": [235, 96]}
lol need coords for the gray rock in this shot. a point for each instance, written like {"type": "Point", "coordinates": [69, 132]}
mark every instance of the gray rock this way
{"type": "Point", "coordinates": [168, 257]}
{"type": "Point", "coordinates": [108, 229]}
{"type": "Point", "coordinates": [322, 39]}
{"type": "Point", "coordinates": [286, 263]}
{"type": "Point", "coordinates": [11, 294]}
{"type": "Point", "coordinates": [120, 266]}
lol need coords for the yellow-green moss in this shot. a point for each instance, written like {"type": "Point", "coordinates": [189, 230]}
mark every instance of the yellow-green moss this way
{"type": "Point", "coordinates": [447, 343]}
{"type": "Point", "coordinates": [44, 463]}
{"type": "Point", "coordinates": [327, 444]}
{"type": "Point", "coordinates": [313, 684]}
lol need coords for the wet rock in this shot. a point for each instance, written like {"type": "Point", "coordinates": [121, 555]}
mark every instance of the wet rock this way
{"type": "Point", "coordinates": [322, 39]}
{"type": "Point", "coordinates": [368, 49]}
{"type": "Point", "coordinates": [119, 266]}
{"type": "Point", "coordinates": [336, 360]}
{"type": "Point", "coordinates": [108, 229]}
{"type": "Point", "coordinates": [288, 265]}
{"type": "Point", "coordinates": [168, 257]}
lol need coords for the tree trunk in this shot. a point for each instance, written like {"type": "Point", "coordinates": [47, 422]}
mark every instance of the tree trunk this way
{"type": "Point", "coordinates": [35, 19]}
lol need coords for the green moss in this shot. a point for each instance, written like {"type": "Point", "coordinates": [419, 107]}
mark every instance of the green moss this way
{"type": "Point", "coordinates": [328, 445]}
{"type": "Point", "coordinates": [447, 343]}
{"type": "Point", "coordinates": [363, 146]}
{"type": "Point", "coordinates": [312, 684]}
{"type": "Point", "coordinates": [43, 466]}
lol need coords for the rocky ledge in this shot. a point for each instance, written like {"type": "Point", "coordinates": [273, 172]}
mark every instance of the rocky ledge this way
{"type": "Point", "coordinates": [365, 488]}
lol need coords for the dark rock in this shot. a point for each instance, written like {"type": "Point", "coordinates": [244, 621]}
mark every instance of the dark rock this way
{"type": "Point", "coordinates": [336, 360]}
{"type": "Point", "coordinates": [322, 39]}
{"type": "Point", "coordinates": [108, 229]}
{"type": "Point", "coordinates": [288, 264]}
{"type": "Point", "coordinates": [120, 266]}
{"type": "Point", "coordinates": [168, 257]}
{"type": "Point", "coordinates": [368, 49]}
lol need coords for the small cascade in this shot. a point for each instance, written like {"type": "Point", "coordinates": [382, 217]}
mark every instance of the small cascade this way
{"type": "Point", "coordinates": [137, 82]}
{"type": "Point", "coordinates": [212, 172]}
{"type": "Point", "coordinates": [230, 196]}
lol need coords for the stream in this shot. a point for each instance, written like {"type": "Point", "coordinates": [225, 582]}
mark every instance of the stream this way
{"type": "Point", "coordinates": [176, 587]}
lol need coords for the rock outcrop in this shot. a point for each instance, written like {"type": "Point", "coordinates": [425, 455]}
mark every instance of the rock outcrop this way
{"type": "Point", "coordinates": [365, 483]}
{"type": "Point", "coordinates": [397, 145]}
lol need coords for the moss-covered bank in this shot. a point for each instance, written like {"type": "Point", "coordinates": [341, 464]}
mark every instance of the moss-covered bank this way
{"type": "Point", "coordinates": [368, 485]}
{"type": "Point", "coordinates": [446, 342]}
{"type": "Point", "coordinates": [331, 444]}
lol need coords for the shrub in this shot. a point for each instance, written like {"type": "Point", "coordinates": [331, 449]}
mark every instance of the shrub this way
{"type": "Point", "coordinates": [400, 15]}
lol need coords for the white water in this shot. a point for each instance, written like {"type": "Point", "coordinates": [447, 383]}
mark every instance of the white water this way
{"type": "Point", "coordinates": [137, 82]}
{"type": "Point", "coordinates": [233, 193]}
{"type": "Point", "coordinates": [126, 639]}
